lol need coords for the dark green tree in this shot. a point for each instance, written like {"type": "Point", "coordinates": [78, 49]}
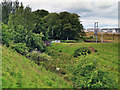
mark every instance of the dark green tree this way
{"type": "Point", "coordinates": [22, 25]}
{"type": "Point", "coordinates": [40, 25]}
{"type": "Point", "coordinates": [68, 26]}
{"type": "Point", "coordinates": [51, 20]}
{"type": "Point", "coordinates": [6, 9]}
{"type": "Point", "coordinates": [8, 6]}
{"type": "Point", "coordinates": [15, 6]}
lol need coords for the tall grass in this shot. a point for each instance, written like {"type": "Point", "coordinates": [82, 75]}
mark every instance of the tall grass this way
{"type": "Point", "coordinates": [20, 72]}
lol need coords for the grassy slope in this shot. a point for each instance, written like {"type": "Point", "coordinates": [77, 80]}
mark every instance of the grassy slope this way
{"type": "Point", "coordinates": [107, 56]}
{"type": "Point", "coordinates": [20, 72]}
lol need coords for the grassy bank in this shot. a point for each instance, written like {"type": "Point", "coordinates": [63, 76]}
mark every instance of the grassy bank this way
{"type": "Point", "coordinates": [20, 72]}
{"type": "Point", "coordinates": [106, 58]}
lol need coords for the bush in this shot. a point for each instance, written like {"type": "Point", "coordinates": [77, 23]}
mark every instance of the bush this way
{"type": "Point", "coordinates": [70, 41]}
{"type": "Point", "coordinates": [63, 41]}
{"type": "Point", "coordinates": [6, 35]}
{"type": "Point", "coordinates": [38, 57]}
{"type": "Point", "coordinates": [96, 50]}
{"type": "Point", "coordinates": [82, 51]}
{"type": "Point", "coordinates": [79, 41]}
{"type": "Point", "coordinates": [20, 48]}
{"type": "Point", "coordinates": [87, 75]}
{"type": "Point", "coordinates": [91, 37]}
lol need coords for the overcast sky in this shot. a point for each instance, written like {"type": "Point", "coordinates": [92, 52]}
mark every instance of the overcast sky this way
{"type": "Point", "coordinates": [103, 11]}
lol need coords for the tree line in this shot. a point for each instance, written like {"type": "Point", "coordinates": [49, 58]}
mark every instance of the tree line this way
{"type": "Point", "coordinates": [21, 25]}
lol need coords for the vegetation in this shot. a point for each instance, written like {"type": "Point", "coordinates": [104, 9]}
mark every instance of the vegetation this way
{"type": "Point", "coordinates": [82, 51]}
{"type": "Point", "coordinates": [107, 37]}
{"type": "Point", "coordinates": [20, 72]}
{"type": "Point", "coordinates": [72, 63]}
{"type": "Point", "coordinates": [99, 69]}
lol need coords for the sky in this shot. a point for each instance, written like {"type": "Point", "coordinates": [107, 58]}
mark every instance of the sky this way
{"type": "Point", "coordinates": [105, 12]}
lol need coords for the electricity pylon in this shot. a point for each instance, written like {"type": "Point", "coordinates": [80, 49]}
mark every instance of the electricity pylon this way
{"type": "Point", "coordinates": [95, 31]}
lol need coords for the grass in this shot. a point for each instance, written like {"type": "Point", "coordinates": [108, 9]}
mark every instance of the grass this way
{"type": "Point", "coordinates": [106, 37]}
{"type": "Point", "coordinates": [106, 56]}
{"type": "Point", "coordinates": [20, 72]}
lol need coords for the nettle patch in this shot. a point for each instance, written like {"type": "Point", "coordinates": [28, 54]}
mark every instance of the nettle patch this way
{"type": "Point", "coordinates": [81, 51]}
{"type": "Point", "coordinates": [84, 51]}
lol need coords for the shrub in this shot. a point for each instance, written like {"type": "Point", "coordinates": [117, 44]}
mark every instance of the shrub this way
{"type": "Point", "coordinates": [38, 57]}
{"type": "Point", "coordinates": [6, 35]}
{"type": "Point", "coordinates": [82, 51]}
{"type": "Point", "coordinates": [91, 37]}
{"type": "Point", "coordinates": [79, 41]}
{"type": "Point", "coordinates": [20, 48]}
{"type": "Point", "coordinates": [96, 50]}
{"type": "Point", "coordinates": [70, 41]}
{"type": "Point", "coordinates": [87, 75]}
{"type": "Point", "coordinates": [63, 41]}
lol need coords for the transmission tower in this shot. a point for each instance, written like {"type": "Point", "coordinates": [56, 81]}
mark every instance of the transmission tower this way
{"type": "Point", "coordinates": [95, 31]}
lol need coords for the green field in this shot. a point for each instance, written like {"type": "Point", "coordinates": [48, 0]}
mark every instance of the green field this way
{"type": "Point", "coordinates": [107, 37]}
{"type": "Point", "coordinates": [95, 70]}
{"type": "Point", "coordinates": [106, 58]}
{"type": "Point", "coordinates": [20, 72]}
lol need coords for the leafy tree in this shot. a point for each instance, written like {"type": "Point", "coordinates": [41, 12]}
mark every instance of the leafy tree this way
{"type": "Point", "coordinates": [68, 26]}
{"type": "Point", "coordinates": [8, 6]}
{"type": "Point", "coordinates": [6, 35]}
{"type": "Point", "coordinates": [6, 9]}
{"type": "Point", "coordinates": [15, 6]}
{"type": "Point", "coordinates": [40, 13]}
{"type": "Point", "coordinates": [21, 26]}
{"type": "Point", "coordinates": [51, 20]}
{"type": "Point", "coordinates": [40, 25]}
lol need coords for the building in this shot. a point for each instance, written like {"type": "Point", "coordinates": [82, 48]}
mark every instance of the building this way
{"type": "Point", "coordinates": [105, 30]}
{"type": "Point", "coordinates": [110, 30]}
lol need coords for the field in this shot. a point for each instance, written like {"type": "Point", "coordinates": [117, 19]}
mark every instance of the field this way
{"type": "Point", "coordinates": [99, 69]}
{"type": "Point", "coordinates": [20, 72]}
{"type": "Point", "coordinates": [107, 37]}
{"type": "Point", "coordinates": [105, 59]}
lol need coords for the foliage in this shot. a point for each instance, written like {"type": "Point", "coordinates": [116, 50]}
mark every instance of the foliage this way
{"type": "Point", "coordinates": [20, 72]}
{"type": "Point", "coordinates": [80, 41]}
{"type": "Point", "coordinates": [6, 35]}
{"type": "Point", "coordinates": [20, 30]}
{"type": "Point", "coordinates": [82, 51]}
{"type": "Point", "coordinates": [7, 7]}
{"type": "Point", "coordinates": [58, 26]}
{"type": "Point", "coordinates": [105, 62]}
{"type": "Point", "coordinates": [68, 26]}
{"type": "Point", "coordinates": [40, 24]}
{"type": "Point", "coordinates": [35, 41]}
{"type": "Point", "coordinates": [87, 75]}
{"type": "Point", "coordinates": [20, 48]}
{"type": "Point", "coordinates": [38, 57]}
{"type": "Point", "coordinates": [63, 41]}
{"type": "Point", "coordinates": [70, 41]}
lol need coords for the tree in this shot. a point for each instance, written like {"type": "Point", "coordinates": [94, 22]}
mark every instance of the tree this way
{"type": "Point", "coordinates": [51, 20]}
{"type": "Point", "coordinates": [40, 25]}
{"type": "Point", "coordinates": [15, 6]}
{"type": "Point", "coordinates": [7, 7]}
{"type": "Point", "coordinates": [68, 26]}
{"type": "Point", "coordinates": [21, 26]}
{"type": "Point", "coordinates": [6, 35]}
{"type": "Point", "coordinates": [40, 13]}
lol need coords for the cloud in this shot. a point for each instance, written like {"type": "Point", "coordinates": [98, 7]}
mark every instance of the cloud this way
{"type": "Point", "coordinates": [104, 11]}
{"type": "Point", "coordinates": [103, 22]}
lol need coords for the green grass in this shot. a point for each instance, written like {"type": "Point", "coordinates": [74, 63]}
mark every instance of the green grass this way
{"type": "Point", "coordinates": [106, 56]}
{"type": "Point", "coordinates": [20, 72]}
{"type": "Point", "coordinates": [106, 36]}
